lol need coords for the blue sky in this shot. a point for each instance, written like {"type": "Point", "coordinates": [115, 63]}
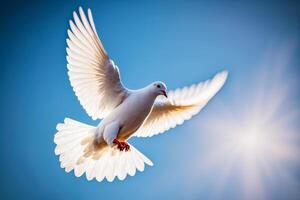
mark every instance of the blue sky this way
{"type": "Point", "coordinates": [180, 43]}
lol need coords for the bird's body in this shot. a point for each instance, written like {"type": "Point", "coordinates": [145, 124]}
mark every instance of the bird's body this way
{"type": "Point", "coordinates": [127, 117]}
{"type": "Point", "coordinates": [102, 152]}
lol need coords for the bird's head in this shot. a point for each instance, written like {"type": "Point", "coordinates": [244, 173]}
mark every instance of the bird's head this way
{"type": "Point", "coordinates": [159, 88]}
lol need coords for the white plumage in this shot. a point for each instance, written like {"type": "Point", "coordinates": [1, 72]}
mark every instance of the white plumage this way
{"type": "Point", "coordinates": [102, 152]}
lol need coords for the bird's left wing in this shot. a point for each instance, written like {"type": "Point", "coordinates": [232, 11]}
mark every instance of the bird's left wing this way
{"type": "Point", "coordinates": [181, 105]}
{"type": "Point", "coordinates": [94, 77]}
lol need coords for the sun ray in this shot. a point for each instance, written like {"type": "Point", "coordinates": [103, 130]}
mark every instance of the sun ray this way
{"type": "Point", "coordinates": [260, 141]}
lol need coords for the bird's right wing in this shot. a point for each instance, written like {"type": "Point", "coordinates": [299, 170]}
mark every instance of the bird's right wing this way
{"type": "Point", "coordinates": [181, 105]}
{"type": "Point", "coordinates": [94, 77]}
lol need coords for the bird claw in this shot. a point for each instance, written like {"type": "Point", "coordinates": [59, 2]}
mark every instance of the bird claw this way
{"type": "Point", "coordinates": [121, 145]}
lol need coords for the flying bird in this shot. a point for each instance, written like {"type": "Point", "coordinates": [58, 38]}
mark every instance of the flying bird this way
{"type": "Point", "coordinates": [103, 151]}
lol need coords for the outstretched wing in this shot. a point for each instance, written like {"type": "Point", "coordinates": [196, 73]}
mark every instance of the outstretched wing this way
{"type": "Point", "coordinates": [94, 77]}
{"type": "Point", "coordinates": [181, 105]}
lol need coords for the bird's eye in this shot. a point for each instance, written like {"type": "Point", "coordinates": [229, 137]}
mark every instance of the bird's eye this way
{"type": "Point", "coordinates": [158, 86]}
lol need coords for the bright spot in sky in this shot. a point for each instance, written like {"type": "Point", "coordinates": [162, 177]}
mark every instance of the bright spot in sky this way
{"type": "Point", "coordinates": [256, 138]}
{"type": "Point", "coordinates": [250, 142]}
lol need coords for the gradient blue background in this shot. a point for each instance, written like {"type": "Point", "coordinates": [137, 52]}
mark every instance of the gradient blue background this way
{"type": "Point", "coordinates": [179, 42]}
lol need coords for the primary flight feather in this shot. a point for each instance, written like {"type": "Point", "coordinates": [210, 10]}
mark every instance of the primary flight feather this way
{"type": "Point", "coordinates": [103, 152]}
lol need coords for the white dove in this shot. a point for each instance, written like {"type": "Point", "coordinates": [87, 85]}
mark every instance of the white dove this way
{"type": "Point", "coordinates": [102, 151]}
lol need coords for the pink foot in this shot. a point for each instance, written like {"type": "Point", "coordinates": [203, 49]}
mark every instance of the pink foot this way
{"type": "Point", "coordinates": [122, 145]}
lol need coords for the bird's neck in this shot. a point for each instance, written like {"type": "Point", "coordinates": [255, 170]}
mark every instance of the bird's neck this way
{"type": "Point", "coordinates": [149, 94]}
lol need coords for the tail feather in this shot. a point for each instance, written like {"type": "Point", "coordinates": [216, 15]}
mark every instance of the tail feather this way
{"type": "Point", "coordinates": [77, 151]}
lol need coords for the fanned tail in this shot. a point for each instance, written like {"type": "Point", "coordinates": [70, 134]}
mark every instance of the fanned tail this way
{"type": "Point", "coordinates": [77, 151]}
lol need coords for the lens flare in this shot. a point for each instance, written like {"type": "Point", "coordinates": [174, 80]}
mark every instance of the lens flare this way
{"type": "Point", "coordinates": [250, 142]}
{"type": "Point", "coordinates": [256, 138]}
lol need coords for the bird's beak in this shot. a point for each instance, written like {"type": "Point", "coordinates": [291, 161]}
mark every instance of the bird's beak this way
{"type": "Point", "coordinates": [164, 93]}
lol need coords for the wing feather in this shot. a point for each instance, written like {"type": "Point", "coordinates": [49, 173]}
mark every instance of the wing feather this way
{"type": "Point", "coordinates": [94, 77]}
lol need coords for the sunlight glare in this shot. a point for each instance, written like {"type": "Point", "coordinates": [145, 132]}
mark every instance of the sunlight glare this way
{"type": "Point", "coordinates": [256, 139]}
{"type": "Point", "coordinates": [249, 142]}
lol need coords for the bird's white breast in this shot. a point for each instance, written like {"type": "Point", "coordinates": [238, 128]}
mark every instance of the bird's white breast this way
{"type": "Point", "coordinates": [132, 112]}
